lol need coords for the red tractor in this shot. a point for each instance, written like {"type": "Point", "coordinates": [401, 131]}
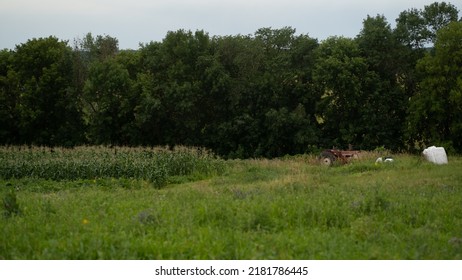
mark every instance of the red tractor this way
{"type": "Point", "coordinates": [329, 157]}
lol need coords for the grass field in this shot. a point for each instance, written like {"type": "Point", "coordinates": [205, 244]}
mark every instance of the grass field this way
{"type": "Point", "coordinates": [289, 208]}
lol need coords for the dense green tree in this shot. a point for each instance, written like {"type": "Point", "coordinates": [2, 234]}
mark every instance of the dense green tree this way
{"type": "Point", "coordinates": [437, 16]}
{"type": "Point", "coordinates": [435, 112]}
{"type": "Point", "coordinates": [48, 112]}
{"type": "Point", "coordinates": [105, 76]}
{"type": "Point", "coordinates": [262, 95]}
{"type": "Point", "coordinates": [340, 71]}
{"type": "Point", "coordinates": [384, 100]}
{"type": "Point", "coordinates": [411, 29]}
{"type": "Point", "coordinates": [8, 99]}
{"type": "Point", "coordinates": [235, 130]}
{"type": "Point", "coordinates": [172, 106]}
{"type": "Point", "coordinates": [270, 97]}
{"type": "Point", "coordinates": [362, 102]}
{"type": "Point", "coordinates": [379, 46]}
{"type": "Point", "coordinates": [87, 51]}
{"type": "Point", "coordinates": [109, 107]}
{"type": "Point", "coordinates": [97, 48]}
{"type": "Point", "coordinates": [290, 124]}
{"type": "Point", "coordinates": [417, 28]}
{"type": "Point", "coordinates": [149, 112]}
{"type": "Point", "coordinates": [411, 33]}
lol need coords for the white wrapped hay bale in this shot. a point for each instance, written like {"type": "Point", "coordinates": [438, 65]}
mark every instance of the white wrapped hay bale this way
{"type": "Point", "coordinates": [436, 155]}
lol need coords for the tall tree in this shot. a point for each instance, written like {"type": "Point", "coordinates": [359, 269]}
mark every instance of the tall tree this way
{"type": "Point", "coordinates": [87, 51]}
{"type": "Point", "coordinates": [241, 59]}
{"type": "Point", "coordinates": [172, 99]}
{"type": "Point", "coordinates": [9, 94]}
{"type": "Point", "coordinates": [363, 103]}
{"type": "Point", "coordinates": [48, 111]}
{"type": "Point", "coordinates": [411, 29]}
{"type": "Point", "coordinates": [435, 112]}
{"type": "Point", "coordinates": [289, 124]}
{"type": "Point", "coordinates": [417, 28]}
{"type": "Point", "coordinates": [340, 71]}
{"type": "Point", "coordinates": [385, 99]}
{"type": "Point", "coordinates": [437, 16]}
{"type": "Point", "coordinates": [109, 112]}
{"type": "Point", "coordinates": [270, 94]}
{"type": "Point", "coordinates": [105, 86]}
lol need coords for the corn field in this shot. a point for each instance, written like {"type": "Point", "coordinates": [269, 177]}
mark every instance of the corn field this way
{"type": "Point", "coordinates": [154, 164]}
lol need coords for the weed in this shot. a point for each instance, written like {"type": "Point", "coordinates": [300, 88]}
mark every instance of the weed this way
{"type": "Point", "coordinates": [10, 203]}
{"type": "Point", "coordinates": [256, 209]}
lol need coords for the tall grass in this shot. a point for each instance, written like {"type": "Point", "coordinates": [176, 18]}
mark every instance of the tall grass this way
{"type": "Point", "coordinates": [156, 165]}
{"type": "Point", "coordinates": [289, 208]}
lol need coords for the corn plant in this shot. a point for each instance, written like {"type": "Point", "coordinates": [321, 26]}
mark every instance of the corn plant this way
{"type": "Point", "coordinates": [156, 165]}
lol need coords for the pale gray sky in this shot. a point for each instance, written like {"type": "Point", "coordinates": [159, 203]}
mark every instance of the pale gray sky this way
{"type": "Point", "coordinates": [135, 21]}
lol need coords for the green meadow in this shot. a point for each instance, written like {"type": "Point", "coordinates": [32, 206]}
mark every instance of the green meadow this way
{"type": "Point", "coordinates": [185, 203]}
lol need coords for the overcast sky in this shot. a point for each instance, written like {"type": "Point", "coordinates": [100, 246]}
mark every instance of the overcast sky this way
{"type": "Point", "coordinates": [135, 21]}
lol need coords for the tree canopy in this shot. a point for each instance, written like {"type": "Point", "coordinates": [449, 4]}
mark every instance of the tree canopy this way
{"type": "Point", "coordinates": [267, 94]}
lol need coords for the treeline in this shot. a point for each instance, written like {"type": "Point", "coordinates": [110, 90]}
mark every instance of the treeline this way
{"type": "Point", "coordinates": [262, 95]}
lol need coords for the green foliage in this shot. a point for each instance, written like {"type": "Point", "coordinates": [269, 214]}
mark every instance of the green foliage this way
{"type": "Point", "coordinates": [228, 102]}
{"type": "Point", "coordinates": [361, 102]}
{"type": "Point", "coordinates": [258, 209]}
{"type": "Point", "coordinates": [8, 99]}
{"type": "Point", "coordinates": [340, 70]}
{"type": "Point", "coordinates": [46, 105]}
{"type": "Point", "coordinates": [385, 102]}
{"type": "Point", "coordinates": [437, 16]}
{"type": "Point", "coordinates": [411, 29]}
{"type": "Point", "coordinates": [417, 28]}
{"type": "Point", "coordinates": [434, 116]}
{"type": "Point", "coordinates": [155, 165]}
{"type": "Point", "coordinates": [267, 94]}
{"type": "Point", "coordinates": [9, 201]}
{"type": "Point", "coordinates": [109, 103]}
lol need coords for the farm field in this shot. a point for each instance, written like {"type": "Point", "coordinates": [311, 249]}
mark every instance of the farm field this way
{"type": "Point", "coordinates": [101, 203]}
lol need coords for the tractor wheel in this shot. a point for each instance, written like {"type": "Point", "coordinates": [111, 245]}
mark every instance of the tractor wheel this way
{"type": "Point", "coordinates": [327, 158]}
